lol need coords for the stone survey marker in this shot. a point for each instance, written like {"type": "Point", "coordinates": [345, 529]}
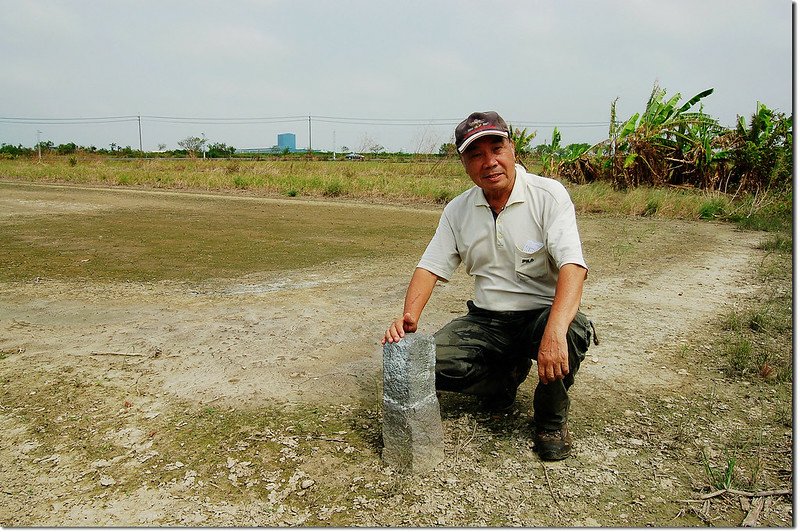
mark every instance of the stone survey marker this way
{"type": "Point", "coordinates": [412, 423]}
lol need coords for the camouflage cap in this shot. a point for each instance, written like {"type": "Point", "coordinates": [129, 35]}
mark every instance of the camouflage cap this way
{"type": "Point", "coordinates": [478, 125]}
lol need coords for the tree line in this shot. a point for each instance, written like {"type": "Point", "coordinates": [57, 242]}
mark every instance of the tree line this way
{"type": "Point", "coordinates": [188, 147]}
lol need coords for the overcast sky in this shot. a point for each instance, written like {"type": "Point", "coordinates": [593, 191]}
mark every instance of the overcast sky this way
{"type": "Point", "coordinates": [399, 74]}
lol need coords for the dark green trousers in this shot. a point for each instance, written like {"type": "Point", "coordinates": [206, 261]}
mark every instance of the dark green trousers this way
{"type": "Point", "coordinates": [488, 353]}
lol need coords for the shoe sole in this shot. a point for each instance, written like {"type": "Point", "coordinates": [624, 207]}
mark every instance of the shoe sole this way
{"type": "Point", "coordinates": [554, 456]}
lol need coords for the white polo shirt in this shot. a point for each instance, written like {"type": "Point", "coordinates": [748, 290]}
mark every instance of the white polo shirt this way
{"type": "Point", "coordinates": [514, 259]}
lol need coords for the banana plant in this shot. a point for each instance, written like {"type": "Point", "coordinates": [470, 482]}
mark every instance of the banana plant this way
{"type": "Point", "coordinates": [670, 143]}
{"type": "Point", "coordinates": [650, 147]}
{"type": "Point", "coordinates": [522, 140]}
{"type": "Point", "coordinates": [761, 153]}
{"type": "Point", "coordinates": [550, 153]}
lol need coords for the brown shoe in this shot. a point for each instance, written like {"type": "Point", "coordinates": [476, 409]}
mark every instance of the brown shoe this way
{"type": "Point", "coordinates": [553, 445]}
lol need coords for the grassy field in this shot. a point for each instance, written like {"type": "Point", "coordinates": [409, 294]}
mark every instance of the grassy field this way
{"type": "Point", "coordinates": [436, 181]}
{"type": "Point", "coordinates": [428, 181]}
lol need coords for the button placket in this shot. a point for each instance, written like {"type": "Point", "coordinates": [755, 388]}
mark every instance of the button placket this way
{"type": "Point", "coordinates": [499, 230]}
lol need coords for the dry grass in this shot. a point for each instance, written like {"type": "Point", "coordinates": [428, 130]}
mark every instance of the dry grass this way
{"type": "Point", "coordinates": [428, 181]}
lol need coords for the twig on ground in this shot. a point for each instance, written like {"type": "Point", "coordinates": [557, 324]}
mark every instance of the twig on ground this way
{"type": "Point", "coordinates": [550, 486]}
{"type": "Point", "coordinates": [751, 519]}
{"type": "Point", "coordinates": [113, 354]}
{"type": "Point", "coordinates": [768, 493]}
{"type": "Point", "coordinates": [464, 445]}
{"type": "Point", "coordinates": [713, 494]}
{"type": "Point", "coordinates": [217, 398]}
{"type": "Point", "coordinates": [324, 438]}
{"type": "Point", "coordinates": [751, 494]}
{"type": "Point", "coordinates": [703, 515]}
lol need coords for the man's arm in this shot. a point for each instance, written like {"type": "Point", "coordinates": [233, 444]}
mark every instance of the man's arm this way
{"type": "Point", "coordinates": [553, 356]}
{"type": "Point", "coordinates": [419, 291]}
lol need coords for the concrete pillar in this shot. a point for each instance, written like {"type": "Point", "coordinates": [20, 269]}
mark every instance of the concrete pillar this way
{"type": "Point", "coordinates": [413, 438]}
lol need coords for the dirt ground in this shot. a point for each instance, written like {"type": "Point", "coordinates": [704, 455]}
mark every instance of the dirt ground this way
{"type": "Point", "coordinates": [101, 382]}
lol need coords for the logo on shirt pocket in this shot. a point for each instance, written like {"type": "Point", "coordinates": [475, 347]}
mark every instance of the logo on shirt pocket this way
{"type": "Point", "coordinates": [532, 264]}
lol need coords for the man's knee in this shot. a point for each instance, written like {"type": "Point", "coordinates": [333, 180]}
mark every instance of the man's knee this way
{"type": "Point", "coordinates": [458, 367]}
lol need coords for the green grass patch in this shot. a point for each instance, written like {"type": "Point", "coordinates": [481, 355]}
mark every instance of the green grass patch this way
{"type": "Point", "coordinates": [712, 209]}
{"type": "Point", "coordinates": [756, 340]}
{"type": "Point", "coordinates": [193, 238]}
{"type": "Point", "coordinates": [780, 242]}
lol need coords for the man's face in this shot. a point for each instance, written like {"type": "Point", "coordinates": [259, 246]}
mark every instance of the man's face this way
{"type": "Point", "coordinates": [489, 162]}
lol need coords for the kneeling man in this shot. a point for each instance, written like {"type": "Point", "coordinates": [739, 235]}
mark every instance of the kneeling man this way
{"type": "Point", "coordinates": [516, 234]}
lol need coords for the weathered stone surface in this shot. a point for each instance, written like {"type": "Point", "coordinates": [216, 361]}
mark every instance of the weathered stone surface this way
{"type": "Point", "coordinates": [412, 424]}
{"type": "Point", "coordinates": [408, 369]}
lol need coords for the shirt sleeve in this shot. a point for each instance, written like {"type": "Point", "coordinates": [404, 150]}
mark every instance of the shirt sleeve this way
{"type": "Point", "coordinates": [563, 239]}
{"type": "Point", "coordinates": [441, 257]}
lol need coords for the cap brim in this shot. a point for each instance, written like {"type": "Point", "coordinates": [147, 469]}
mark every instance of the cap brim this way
{"type": "Point", "coordinates": [468, 141]}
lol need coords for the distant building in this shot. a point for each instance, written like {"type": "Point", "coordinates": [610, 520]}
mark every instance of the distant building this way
{"type": "Point", "coordinates": [287, 141]}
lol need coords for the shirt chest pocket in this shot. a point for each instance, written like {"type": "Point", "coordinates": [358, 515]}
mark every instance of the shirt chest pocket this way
{"type": "Point", "coordinates": [533, 265]}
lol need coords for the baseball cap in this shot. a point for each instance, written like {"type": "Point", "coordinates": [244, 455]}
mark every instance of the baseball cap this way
{"type": "Point", "coordinates": [478, 125]}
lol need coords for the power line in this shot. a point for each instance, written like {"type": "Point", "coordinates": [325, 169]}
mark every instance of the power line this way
{"type": "Point", "coordinates": [262, 120]}
{"type": "Point", "coordinates": [225, 120]}
{"type": "Point", "coordinates": [195, 120]}
{"type": "Point", "coordinates": [68, 121]}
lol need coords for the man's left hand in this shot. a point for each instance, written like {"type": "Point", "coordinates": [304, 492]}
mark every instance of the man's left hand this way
{"type": "Point", "coordinates": [553, 359]}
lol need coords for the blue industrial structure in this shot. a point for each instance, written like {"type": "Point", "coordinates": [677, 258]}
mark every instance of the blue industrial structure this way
{"type": "Point", "coordinates": [287, 141]}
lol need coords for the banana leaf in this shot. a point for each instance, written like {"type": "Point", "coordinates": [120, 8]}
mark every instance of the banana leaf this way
{"type": "Point", "coordinates": [699, 96]}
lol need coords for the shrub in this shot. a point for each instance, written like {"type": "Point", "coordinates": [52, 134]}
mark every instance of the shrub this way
{"type": "Point", "coordinates": [712, 209]}
{"type": "Point", "coordinates": [652, 207]}
{"type": "Point", "coordinates": [333, 189]}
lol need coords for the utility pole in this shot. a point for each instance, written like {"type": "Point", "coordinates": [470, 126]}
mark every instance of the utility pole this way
{"type": "Point", "coordinates": [203, 145]}
{"type": "Point", "coordinates": [39, 143]}
{"type": "Point", "coordinates": [140, 134]}
{"type": "Point", "coordinates": [334, 144]}
{"type": "Point", "coordinates": [310, 150]}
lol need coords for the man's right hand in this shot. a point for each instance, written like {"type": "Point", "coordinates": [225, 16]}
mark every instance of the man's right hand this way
{"type": "Point", "coordinates": [399, 328]}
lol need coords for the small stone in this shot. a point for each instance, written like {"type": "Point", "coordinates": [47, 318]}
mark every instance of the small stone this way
{"type": "Point", "coordinates": [307, 483]}
{"type": "Point", "coordinates": [107, 481]}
